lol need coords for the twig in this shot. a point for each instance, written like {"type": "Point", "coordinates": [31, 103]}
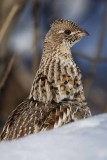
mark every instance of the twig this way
{"type": "Point", "coordinates": [7, 72]}
{"type": "Point", "coordinates": [8, 21]}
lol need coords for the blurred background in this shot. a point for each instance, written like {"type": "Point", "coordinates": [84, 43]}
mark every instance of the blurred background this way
{"type": "Point", "coordinates": [23, 25]}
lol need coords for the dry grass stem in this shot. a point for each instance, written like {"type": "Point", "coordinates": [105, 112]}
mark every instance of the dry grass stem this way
{"type": "Point", "coordinates": [8, 21]}
{"type": "Point", "coordinates": [7, 72]}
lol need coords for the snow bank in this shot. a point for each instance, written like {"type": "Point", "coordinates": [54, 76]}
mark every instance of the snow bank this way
{"type": "Point", "coordinates": [82, 140]}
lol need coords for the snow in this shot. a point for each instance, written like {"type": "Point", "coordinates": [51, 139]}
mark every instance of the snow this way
{"type": "Point", "coordinates": [81, 140]}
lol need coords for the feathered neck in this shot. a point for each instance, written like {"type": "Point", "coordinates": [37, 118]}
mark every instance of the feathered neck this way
{"type": "Point", "coordinates": [58, 77]}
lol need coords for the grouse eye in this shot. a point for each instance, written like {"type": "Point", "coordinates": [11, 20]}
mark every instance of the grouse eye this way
{"type": "Point", "coordinates": [68, 32]}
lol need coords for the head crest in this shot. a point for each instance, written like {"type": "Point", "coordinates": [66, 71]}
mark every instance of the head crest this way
{"type": "Point", "coordinates": [64, 24]}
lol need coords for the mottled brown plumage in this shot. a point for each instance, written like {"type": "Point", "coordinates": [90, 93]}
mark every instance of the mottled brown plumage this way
{"type": "Point", "coordinates": [56, 97]}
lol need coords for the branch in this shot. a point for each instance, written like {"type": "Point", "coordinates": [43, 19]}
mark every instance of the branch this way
{"type": "Point", "coordinates": [8, 21]}
{"type": "Point", "coordinates": [7, 72]}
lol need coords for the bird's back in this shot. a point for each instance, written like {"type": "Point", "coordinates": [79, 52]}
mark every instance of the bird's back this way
{"type": "Point", "coordinates": [32, 117]}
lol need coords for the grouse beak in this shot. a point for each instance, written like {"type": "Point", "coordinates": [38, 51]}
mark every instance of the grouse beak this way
{"type": "Point", "coordinates": [85, 33]}
{"type": "Point", "coordinates": [82, 33]}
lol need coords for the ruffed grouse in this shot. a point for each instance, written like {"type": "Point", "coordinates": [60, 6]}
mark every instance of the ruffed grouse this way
{"type": "Point", "coordinates": [56, 97]}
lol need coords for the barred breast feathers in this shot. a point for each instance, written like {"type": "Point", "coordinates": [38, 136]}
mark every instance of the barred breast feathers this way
{"type": "Point", "coordinates": [58, 77]}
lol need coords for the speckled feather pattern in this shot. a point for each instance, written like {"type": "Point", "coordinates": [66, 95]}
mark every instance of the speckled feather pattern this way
{"type": "Point", "coordinates": [56, 97]}
{"type": "Point", "coordinates": [32, 117]}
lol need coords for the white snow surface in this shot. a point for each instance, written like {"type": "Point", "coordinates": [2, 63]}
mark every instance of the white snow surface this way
{"type": "Point", "coordinates": [81, 140]}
